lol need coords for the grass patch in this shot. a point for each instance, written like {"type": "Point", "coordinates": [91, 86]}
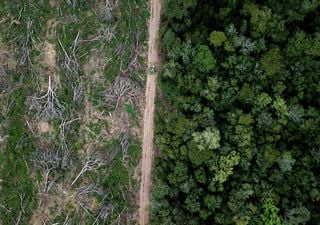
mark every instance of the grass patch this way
{"type": "Point", "coordinates": [14, 165]}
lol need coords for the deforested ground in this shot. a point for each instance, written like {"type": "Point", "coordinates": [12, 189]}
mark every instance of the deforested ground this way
{"type": "Point", "coordinates": [72, 77]}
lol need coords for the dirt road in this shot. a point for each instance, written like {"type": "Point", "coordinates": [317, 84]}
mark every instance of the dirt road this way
{"type": "Point", "coordinates": [147, 146]}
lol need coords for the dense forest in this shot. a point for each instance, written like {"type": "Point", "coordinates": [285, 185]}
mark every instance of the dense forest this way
{"type": "Point", "coordinates": [238, 119]}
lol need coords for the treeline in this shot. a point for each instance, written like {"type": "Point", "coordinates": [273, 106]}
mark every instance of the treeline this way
{"type": "Point", "coordinates": [238, 124]}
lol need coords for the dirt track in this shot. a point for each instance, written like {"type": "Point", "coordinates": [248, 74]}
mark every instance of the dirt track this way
{"type": "Point", "coordinates": [147, 146]}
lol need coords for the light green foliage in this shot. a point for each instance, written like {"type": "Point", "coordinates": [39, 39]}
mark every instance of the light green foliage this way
{"type": "Point", "coordinates": [296, 113]}
{"type": "Point", "coordinates": [204, 59]}
{"type": "Point", "coordinates": [260, 19]}
{"type": "Point", "coordinates": [298, 44]}
{"type": "Point", "coordinates": [246, 93]}
{"type": "Point", "coordinates": [270, 154]}
{"type": "Point", "coordinates": [245, 119]}
{"type": "Point", "coordinates": [212, 202]}
{"type": "Point", "coordinates": [208, 139]}
{"type": "Point", "coordinates": [213, 84]}
{"type": "Point", "coordinates": [262, 100]}
{"type": "Point", "coordinates": [272, 62]}
{"type": "Point", "coordinates": [297, 216]}
{"type": "Point", "coordinates": [270, 215]}
{"type": "Point", "coordinates": [286, 162]}
{"type": "Point", "coordinates": [243, 135]}
{"type": "Point", "coordinates": [211, 92]}
{"type": "Point", "coordinates": [228, 46]}
{"type": "Point", "coordinates": [279, 88]}
{"type": "Point", "coordinates": [239, 196]}
{"type": "Point", "coordinates": [224, 168]}
{"type": "Point", "coordinates": [315, 48]}
{"type": "Point", "coordinates": [217, 38]}
{"type": "Point", "coordinates": [281, 107]}
{"type": "Point", "coordinates": [202, 146]}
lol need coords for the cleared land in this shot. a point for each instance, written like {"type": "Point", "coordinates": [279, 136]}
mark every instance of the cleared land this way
{"type": "Point", "coordinates": [72, 79]}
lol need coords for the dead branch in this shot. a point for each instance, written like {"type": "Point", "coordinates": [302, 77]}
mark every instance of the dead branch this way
{"type": "Point", "coordinates": [48, 105]}
{"type": "Point", "coordinates": [5, 83]}
{"type": "Point", "coordinates": [124, 147]}
{"type": "Point", "coordinates": [66, 156]}
{"type": "Point", "coordinates": [21, 196]}
{"type": "Point", "coordinates": [67, 221]}
{"type": "Point", "coordinates": [92, 163]}
{"type": "Point", "coordinates": [27, 40]}
{"type": "Point", "coordinates": [8, 210]}
{"type": "Point", "coordinates": [89, 189]}
{"type": "Point", "coordinates": [48, 161]}
{"type": "Point", "coordinates": [109, 32]}
{"type": "Point", "coordinates": [30, 128]}
{"type": "Point", "coordinates": [108, 15]}
{"type": "Point", "coordinates": [122, 88]}
{"type": "Point", "coordinates": [118, 220]}
{"type": "Point", "coordinates": [134, 64]}
{"type": "Point", "coordinates": [105, 212]}
{"type": "Point", "coordinates": [78, 92]}
{"type": "Point", "coordinates": [70, 61]}
{"type": "Point", "coordinates": [17, 221]}
{"type": "Point", "coordinates": [85, 209]}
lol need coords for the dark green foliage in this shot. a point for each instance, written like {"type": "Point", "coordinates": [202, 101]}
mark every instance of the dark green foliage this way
{"type": "Point", "coordinates": [240, 141]}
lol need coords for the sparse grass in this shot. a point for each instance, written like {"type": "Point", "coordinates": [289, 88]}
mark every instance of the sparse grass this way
{"type": "Point", "coordinates": [123, 53]}
{"type": "Point", "coordinates": [132, 112]}
{"type": "Point", "coordinates": [14, 165]}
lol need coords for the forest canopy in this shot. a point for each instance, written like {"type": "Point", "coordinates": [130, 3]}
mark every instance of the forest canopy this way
{"type": "Point", "coordinates": [237, 126]}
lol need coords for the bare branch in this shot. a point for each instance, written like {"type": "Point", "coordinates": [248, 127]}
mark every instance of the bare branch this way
{"type": "Point", "coordinates": [91, 164]}
{"type": "Point", "coordinates": [105, 212]}
{"type": "Point", "coordinates": [21, 196]}
{"type": "Point", "coordinates": [89, 189]}
{"type": "Point", "coordinates": [27, 40]}
{"type": "Point", "coordinates": [124, 147]}
{"type": "Point", "coordinates": [78, 92]}
{"type": "Point", "coordinates": [17, 222]}
{"type": "Point", "coordinates": [48, 161]}
{"type": "Point", "coordinates": [66, 156]}
{"type": "Point", "coordinates": [70, 61]}
{"type": "Point", "coordinates": [8, 210]}
{"type": "Point", "coordinates": [67, 221]}
{"type": "Point", "coordinates": [48, 105]}
{"type": "Point", "coordinates": [122, 87]}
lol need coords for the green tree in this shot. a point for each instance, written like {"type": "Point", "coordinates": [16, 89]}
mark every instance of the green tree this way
{"type": "Point", "coordinates": [272, 62]}
{"type": "Point", "coordinates": [217, 38]}
{"type": "Point", "coordinates": [286, 162]}
{"type": "Point", "coordinates": [270, 215]}
{"type": "Point", "coordinates": [202, 146]}
{"type": "Point", "coordinates": [203, 59]}
{"type": "Point", "coordinates": [297, 216]}
{"type": "Point", "coordinates": [281, 107]}
{"type": "Point", "coordinates": [260, 19]}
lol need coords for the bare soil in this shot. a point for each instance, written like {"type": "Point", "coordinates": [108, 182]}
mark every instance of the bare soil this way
{"type": "Point", "coordinates": [45, 127]}
{"type": "Point", "coordinates": [50, 55]}
{"type": "Point", "coordinates": [148, 123]}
